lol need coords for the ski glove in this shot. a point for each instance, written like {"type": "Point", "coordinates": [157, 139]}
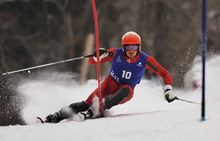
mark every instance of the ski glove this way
{"type": "Point", "coordinates": [102, 54]}
{"type": "Point", "coordinates": [168, 94]}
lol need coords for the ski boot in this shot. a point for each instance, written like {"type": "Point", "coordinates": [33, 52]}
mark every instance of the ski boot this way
{"type": "Point", "coordinates": [54, 118]}
{"type": "Point", "coordinates": [87, 114]}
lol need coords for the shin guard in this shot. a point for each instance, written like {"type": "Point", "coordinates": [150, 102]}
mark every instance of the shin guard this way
{"type": "Point", "coordinates": [79, 107]}
{"type": "Point", "coordinates": [117, 98]}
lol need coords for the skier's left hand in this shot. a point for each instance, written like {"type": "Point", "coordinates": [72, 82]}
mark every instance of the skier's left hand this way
{"type": "Point", "coordinates": [168, 94]}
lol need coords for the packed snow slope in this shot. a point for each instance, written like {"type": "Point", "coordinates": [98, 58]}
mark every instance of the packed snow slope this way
{"type": "Point", "coordinates": [146, 117]}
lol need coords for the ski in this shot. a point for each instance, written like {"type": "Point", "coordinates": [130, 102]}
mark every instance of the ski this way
{"type": "Point", "coordinates": [80, 117]}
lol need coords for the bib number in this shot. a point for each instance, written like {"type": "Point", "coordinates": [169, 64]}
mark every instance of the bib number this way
{"type": "Point", "coordinates": [126, 74]}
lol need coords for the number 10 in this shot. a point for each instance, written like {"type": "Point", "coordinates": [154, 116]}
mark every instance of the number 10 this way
{"type": "Point", "coordinates": [126, 74]}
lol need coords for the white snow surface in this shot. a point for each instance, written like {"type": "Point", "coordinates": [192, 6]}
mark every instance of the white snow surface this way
{"type": "Point", "coordinates": [146, 117]}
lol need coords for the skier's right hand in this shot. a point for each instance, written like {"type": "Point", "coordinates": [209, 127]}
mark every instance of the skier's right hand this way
{"type": "Point", "coordinates": [102, 54]}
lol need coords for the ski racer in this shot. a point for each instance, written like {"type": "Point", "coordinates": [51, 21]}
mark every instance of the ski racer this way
{"type": "Point", "coordinates": [128, 67]}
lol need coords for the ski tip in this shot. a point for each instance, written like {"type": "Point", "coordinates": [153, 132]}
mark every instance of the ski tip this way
{"type": "Point", "coordinates": [41, 120]}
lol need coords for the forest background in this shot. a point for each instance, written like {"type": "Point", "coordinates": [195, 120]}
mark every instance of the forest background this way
{"type": "Point", "coordinates": [35, 32]}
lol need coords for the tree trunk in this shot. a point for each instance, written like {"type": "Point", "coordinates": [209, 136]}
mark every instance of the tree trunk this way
{"type": "Point", "coordinates": [88, 49]}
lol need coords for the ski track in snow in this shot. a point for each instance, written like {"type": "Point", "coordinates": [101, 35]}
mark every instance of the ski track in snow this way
{"type": "Point", "coordinates": [146, 117]}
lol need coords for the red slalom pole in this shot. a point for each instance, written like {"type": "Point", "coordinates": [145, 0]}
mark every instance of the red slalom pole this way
{"type": "Point", "coordinates": [97, 53]}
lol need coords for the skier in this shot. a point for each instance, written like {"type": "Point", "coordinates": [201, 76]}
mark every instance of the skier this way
{"type": "Point", "coordinates": [128, 66]}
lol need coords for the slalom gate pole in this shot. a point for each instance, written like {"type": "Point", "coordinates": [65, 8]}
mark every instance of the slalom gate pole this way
{"type": "Point", "coordinates": [49, 64]}
{"type": "Point", "coordinates": [180, 99]}
{"type": "Point", "coordinates": [203, 58]}
{"type": "Point", "coordinates": [97, 53]}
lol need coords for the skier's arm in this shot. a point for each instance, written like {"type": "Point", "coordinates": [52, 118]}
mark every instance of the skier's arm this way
{"type": "Point", "coordinates": [152, 64]}
{"type": "Point", "coordinates": [105, 58]}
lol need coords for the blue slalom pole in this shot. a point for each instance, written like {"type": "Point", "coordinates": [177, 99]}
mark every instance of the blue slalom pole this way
{"type": "Point", "coordinates": [203, 57]}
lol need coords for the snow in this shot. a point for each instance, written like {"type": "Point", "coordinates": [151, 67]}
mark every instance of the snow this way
{"type": "Point", "coordinates": [146, 117]}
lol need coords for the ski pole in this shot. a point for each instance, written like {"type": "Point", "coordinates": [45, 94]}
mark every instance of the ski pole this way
{"type": "Point", "coordinates": [180, 99]}
{"type": "Point", "coordinates": [49, 64]}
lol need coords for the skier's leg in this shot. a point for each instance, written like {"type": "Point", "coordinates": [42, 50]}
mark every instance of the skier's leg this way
{"type": "Point", "coordinates": [67, 112]}
{"type": "Point", "coordinates": [108, 86]}
{"type": "Point", "coordinates": [124, 94]}
{"type": "Point", "coordinates": [129, 96]}
{"type": "Point", "coordinates": [79, 107]}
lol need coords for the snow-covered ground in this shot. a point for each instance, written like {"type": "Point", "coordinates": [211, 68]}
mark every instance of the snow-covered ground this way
{"type": "Point", "coordinates": [146, 117]}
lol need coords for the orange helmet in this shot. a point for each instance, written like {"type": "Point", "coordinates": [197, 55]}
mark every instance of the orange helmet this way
{"type": "Point", "coordinates": [131, 38]}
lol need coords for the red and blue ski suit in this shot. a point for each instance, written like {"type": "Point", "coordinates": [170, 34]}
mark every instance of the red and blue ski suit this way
{"type": "Point", "coordinates": [127, 72]}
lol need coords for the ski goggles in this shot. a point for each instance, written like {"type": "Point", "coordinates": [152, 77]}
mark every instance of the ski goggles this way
{"type": "Point", "coordinates": [130, 47]}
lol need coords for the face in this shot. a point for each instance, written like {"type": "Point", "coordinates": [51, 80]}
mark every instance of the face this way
{"type": "Point", "coordinates": [131, 51]}
{"type": "Point", "coordinates": [131, 54]}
